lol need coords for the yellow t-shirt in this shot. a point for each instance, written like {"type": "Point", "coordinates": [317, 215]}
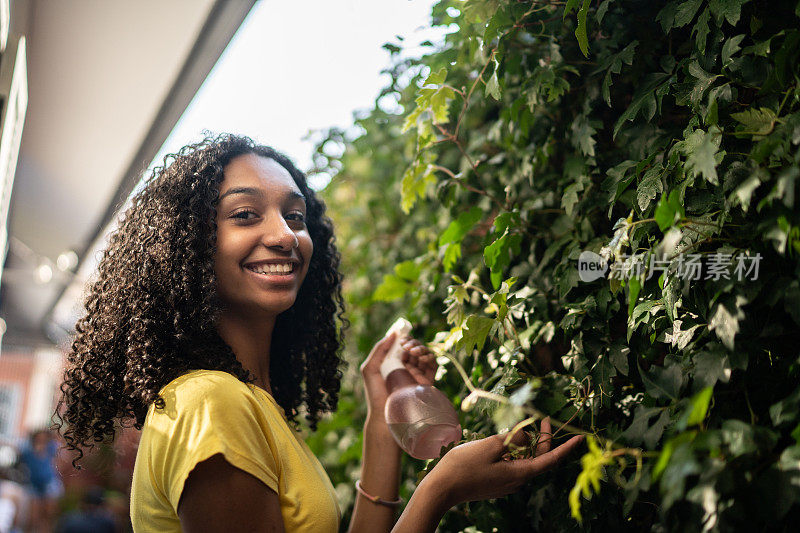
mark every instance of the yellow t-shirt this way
{"type": "Point", "coordinates": [209, 412]}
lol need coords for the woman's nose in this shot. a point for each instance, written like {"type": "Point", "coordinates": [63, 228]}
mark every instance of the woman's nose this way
{"type": "Point", "coordinates": [278, 233]}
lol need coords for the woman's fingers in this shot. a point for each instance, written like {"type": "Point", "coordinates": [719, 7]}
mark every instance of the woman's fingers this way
{"type": "Point", "coordinates": [420, 358]}
{"type": "Point", "coordinates": [475, 470]}
{"type": "Point", "coordinates": [496, 447]}
{"type": "Point", "coordinates": [545, 437]}
{"type": "Point", "coordinates": [529, 468]}
{"type": "Point", "coordinates": [378, 353]}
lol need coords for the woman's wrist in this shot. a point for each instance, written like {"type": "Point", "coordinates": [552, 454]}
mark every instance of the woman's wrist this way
{"type": "Point", "coordinates": [437, 490]}
{"type": "Point", "coordinates": [425, 509]}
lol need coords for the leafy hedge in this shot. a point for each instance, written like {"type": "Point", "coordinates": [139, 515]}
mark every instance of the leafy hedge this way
{"type": "Point", "coordinates": [664, 138]}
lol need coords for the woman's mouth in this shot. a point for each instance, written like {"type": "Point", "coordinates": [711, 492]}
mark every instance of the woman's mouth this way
{"type": "Point", "coordinates": [280, 269]}
{"type": "Point", "coordinates": [274, 273]}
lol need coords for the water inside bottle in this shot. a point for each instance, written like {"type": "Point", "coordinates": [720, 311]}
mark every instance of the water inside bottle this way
{"type": "Point", "coordinates": [424, 440]}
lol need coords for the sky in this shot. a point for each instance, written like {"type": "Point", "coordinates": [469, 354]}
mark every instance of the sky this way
{"type": "Point", "coordinates": [299, 66]}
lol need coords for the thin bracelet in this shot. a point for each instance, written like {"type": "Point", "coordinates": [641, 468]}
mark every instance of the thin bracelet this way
{"type": "Point", "coordinates": [375, 499]}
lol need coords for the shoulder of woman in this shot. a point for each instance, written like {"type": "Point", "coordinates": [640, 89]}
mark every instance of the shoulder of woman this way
{"type": "Point", "coordinates": [204, 386]}
{"type": "Point", "coordinates": [203, 380]}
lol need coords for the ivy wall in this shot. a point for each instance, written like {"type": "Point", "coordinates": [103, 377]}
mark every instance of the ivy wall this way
{"type": "Point", "coordinates": [588, 211]}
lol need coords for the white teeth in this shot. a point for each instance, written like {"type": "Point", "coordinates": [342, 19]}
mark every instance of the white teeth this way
{"type": "Point", "coordinates": [283, 268]}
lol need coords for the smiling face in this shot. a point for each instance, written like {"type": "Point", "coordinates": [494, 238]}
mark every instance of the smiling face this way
{"type": "Point", "coordinates": [263, 245]}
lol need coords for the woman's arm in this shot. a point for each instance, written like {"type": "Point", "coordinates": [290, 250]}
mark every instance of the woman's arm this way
{"type": "Point", "coordinates": [479, 470]}
{"type": "Point", "coordinates": [380, 467]}
{"type": "Point", "coordinates": [476, 470]}
{"type": "Point", "coordinates": [380, 476]}
{"type": "Point", "coordinates": [218, 495]}
{"type": "Point", "coordinates": [424, 511]}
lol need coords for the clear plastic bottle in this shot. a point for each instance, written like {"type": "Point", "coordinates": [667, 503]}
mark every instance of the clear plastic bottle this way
{"type": "Point", "coordinates": [420, 417]}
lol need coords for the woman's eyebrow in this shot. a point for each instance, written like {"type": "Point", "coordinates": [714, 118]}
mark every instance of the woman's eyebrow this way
{"type": "Point", "coordinates": [295, 195]}
{"type": "Point", "coordinates": [253, 191]}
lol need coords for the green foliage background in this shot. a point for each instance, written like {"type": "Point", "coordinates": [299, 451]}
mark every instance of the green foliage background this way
{"type": "Point", "coordinates": [543, 129]}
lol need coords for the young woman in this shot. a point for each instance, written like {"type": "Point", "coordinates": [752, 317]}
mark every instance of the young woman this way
{"type": "Point", "coordinates": [215, 302]}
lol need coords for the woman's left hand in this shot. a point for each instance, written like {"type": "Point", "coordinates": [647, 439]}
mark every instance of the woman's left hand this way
{"type": "Point", "coordinates": [418, 359]}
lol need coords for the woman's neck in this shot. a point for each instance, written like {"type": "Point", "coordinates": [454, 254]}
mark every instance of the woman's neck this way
{"type": "Point", "coordinates": [250, 337]}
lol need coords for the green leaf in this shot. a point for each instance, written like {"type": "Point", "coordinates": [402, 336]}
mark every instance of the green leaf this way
{"type": "Point", "coordinates": [786, 410]}
{"type": "Point", "coordinates": [730, 47]}
{"type": "Point", "coordinates": [761, 48]}
{"type": "Point", "coordinates": [569, 7]}
{"type": "Point", "coordinates": [744, 191]}
{"type": "Point", "coordinates": [454, 234]}
{"type": "Point", "coordinates": [701, 150]}
{"type": "Point", "coordinates": [664, 214]}
{"type": "Point", "coordinates": [618, 354]}
{"type": "Point", "coordinates": [474, 336]}
{"type": "Point", "coordinates": [642, 312]}
{"type": "Point", "coordinates": [699, 407]}
{"type": "Point", "coordinates": [680, 338]}
{"type": "Point", "coordinates": [601, 11]}
{"type": "Point", "coordinates": [704, 81]}
{"type": "Point", "coordinates": [644, 101]}
{"type": "Point", "coordinates": [582, 132]}
{"type": "Point", "coordinates": [636, 432]}
{"type": "Point", "coordinates": [667, 15]}
{"type": "Point", "coordinates": [654, 432]}
{"type": "Point", "coordinates": [663, 383]}
{"type": "Point", "coordinates": [493, 86]}
{"type": "Point", "coordinates": [459, 227]}
{"type": "Point", "coordinates": [686, 11]}
{"type": "Point", "coordinates": [669, 210]}
{"type": "Point", "coordinates": [711, 367]}
{"type": "Point", "coordinates": [570, 197]}
{"type": "Point", "coordinates": [580, 31]}
{"type": "Point", "coordinates": [725, 319]}
{"type": "Point", "coordinates": [669, 448]}
{"type": "Point", "coordinates": [436, 78]}
{"type": "Point", "coordinates": [500, 21]}
{"type": "Point", "coordinates": [593, 463]}
{"type": "Point", "coordinates": [634, 286]}
{"type": "Point", "coordinates": [701, 28]}
{"type": "Point", "coordinates": [743, 438]}
{"type": "Point", "coordinates": [407, 270]}
{"type": "Point", "coordinates": [614, 66]}
{"type": "Point", "coordinates": [412, 118]}
{"type": "Point", "coordinates": [498, 254]}
{"type": "Point", "coordinates": [507, 416]}
{"type": "Point", "coordinates": [730, 10]}
{"type": "Point", "coordinates": [439, 104]}
{"type": "Point", "coordinates": [649, 187]}
{"type": "Point", "coordinates": [416, 180]}
{"type": "Point", "coordinates": [757, 122]}
{"type": "Point", "coordinates": [392, 288]}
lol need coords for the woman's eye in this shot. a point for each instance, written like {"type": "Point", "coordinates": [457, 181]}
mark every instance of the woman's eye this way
{"type": "Point", "coordinates": [299, 216]}
{"type": "Point", "coordinates": [245, 213]}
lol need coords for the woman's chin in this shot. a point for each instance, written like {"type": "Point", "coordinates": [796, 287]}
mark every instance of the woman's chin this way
{"type": "Point", "coordinates": [275, 306]}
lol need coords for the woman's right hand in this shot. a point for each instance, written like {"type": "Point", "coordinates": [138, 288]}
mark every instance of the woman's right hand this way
{"type": "Point", "coordinates": [477, 470]}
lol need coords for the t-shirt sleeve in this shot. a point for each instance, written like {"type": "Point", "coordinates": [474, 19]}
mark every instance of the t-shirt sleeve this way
{"type": "Point", "coordinates": [214, 415]}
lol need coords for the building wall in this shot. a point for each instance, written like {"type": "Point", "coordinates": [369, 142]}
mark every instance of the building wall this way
{"type": "Point", "coordinates": [17, 368]}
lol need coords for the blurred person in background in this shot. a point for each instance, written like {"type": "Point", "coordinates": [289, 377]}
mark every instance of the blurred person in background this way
{"type": "Point", "coordinates": [14, 500]}
{"type": "Point", "coordinates": [92, 516]}
{"type": "Point", "coordinates": [44, 481]}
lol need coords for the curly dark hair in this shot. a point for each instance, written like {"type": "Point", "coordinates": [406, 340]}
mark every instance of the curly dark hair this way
{"type": "Point", "coordinates": [150, 313]}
